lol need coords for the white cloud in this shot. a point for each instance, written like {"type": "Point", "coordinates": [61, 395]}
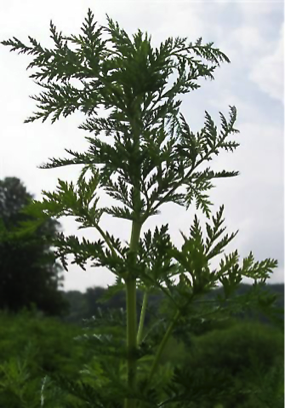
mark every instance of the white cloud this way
{"type": "Point", "coordinates": [248, 38]}
{"type": "Point", "coordinates": [268, 72]}
{"type": "Point", "coordinates": [253, 10]}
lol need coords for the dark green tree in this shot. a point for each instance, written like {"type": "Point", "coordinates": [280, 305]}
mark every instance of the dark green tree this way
{"type": "Point", "coordinates": [147, 156]}
{"type": "Point", "coordinates": [29, 273]}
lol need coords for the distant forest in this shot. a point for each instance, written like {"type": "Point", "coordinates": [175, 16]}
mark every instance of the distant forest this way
{"type": "Point", "coordinates": [94, 300]}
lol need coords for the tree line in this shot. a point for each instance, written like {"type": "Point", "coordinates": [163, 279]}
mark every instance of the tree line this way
{"type": "Point", "coordinates": [85, 305]}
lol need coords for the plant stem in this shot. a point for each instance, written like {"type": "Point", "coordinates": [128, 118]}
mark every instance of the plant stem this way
{"type": "Point", "coordinates": [162, 345]}
{"type": "Point", "coordinates": [165, 339]}
{"type": "Point", "coordinates": [105, 237]}
{"type": "Point", "coordinates": [131, 288]}
{"type": "Point", "coordinates": [142, 318]}
{"type": "Point", "coordinates": [131, 308]}
{"type": "Point", "coordinates": [131, 337]}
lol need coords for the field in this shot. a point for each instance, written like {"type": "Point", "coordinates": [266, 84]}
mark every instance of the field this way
{"type": "Point", "coordinates": [237, 365]}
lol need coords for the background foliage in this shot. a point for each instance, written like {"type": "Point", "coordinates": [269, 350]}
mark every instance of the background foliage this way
{"type": "Point", "coordinates": [29, 273]}
{"type": "Point", "coordinates": [238, 364]}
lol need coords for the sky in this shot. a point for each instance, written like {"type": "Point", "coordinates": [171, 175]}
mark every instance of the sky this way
{"type": "Point", "coordinates": [250, 33]}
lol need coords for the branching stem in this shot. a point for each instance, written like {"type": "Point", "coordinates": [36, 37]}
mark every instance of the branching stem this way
{"type": "Point", "coordinates": [142, 317]}
{"type": "Point", "coordinates": [105, 237]}
{"type": "Point", "coordinates": [162, 344]}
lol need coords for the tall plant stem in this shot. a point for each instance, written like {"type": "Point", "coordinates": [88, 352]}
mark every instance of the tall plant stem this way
{"type": "Point", "coordinates": [131, 337]}
{"type": "Point", "coordinates": [142, 318]}
{"type": "Point", "coordinates": [131, 308]}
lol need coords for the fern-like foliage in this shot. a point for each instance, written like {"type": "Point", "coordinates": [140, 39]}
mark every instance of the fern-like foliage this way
{"type": "Point", "coordinates": [142, 154]}
{"type": "Point", "coordinates": [131, 77]}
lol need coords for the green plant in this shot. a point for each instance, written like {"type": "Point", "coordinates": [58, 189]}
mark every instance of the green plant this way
{"type": "Point", "coordinates": [267, 387]}
{"type": "Point", "coordinates": [246, 359]}
{"type": "Point", "coordinates": [153, 158]}
{"type": "Point", "coordinates": [33, 351]}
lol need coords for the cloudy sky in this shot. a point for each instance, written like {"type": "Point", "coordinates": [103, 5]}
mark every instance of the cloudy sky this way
{"type": "Point", "coordinates": [249, 32]}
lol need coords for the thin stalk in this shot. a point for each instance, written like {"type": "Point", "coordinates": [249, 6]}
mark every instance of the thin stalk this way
{"type": "Point", "coordinates": [165, 339]}
{"type": "Point", "coordinates": [105, 237]}
{"type": "Point", "coordinates": [131, 277]}
{"type": "Point", "coordinates": [162, 345]}
{"type": "Point", "coordinates": [131, 334]}
{"type": "Point", "coordinates": [142, 318]}
{"type": "Point", "coordinates": [164, 290]}
{"type": "Point", "coordinates": [152, 327]}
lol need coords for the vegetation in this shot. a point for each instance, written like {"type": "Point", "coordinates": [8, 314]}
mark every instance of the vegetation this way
{"type": "Point", "coordinates": [29, 273]}
{"type": "Point", "coordinates": [247, 359]}
{"type": "Point", "coordinates": [153, 158]}
{"type": "Point", "coordinates": [32, 349]}
{"type": "Point", "coordinates": [87, 304]}
{"type": "Point", "coordinates": [236, 365]}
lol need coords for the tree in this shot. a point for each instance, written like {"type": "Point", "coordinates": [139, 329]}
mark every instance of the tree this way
{"type": "Point", "coordinates": [28, 271]}
{"type": "Point", "coordinates": [153, 158]}
{"type": "Point", "coordinates": [13, 197]}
